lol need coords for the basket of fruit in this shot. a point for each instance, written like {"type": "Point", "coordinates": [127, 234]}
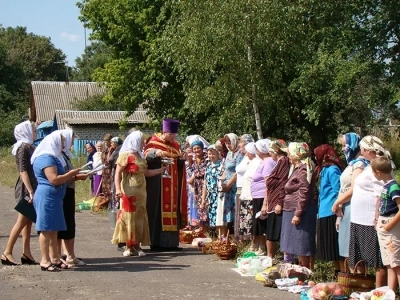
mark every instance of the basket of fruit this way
{"type": "Point", "coordinates": [186, 237]}
{"type": "Point", "coordinates": [227, 250]}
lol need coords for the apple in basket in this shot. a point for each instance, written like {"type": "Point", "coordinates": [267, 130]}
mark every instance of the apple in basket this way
{"type": "Point", "coordinates": [332, 287]}
{"type": "Point", "coordinates": [311, 283]}
{"type": "Point", "coordinates": [338, 292]}
{"type": "Point", "coordinates": [322, 295]}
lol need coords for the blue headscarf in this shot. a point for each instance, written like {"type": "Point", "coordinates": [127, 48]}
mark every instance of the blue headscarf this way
{"type": "Point", "coordinates": [197, 143]}
{"type": "Point", "coordinates": [352, 148]}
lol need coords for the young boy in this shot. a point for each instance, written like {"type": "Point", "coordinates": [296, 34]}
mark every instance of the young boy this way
{"type": "Point", "coordinates": [388, 228]}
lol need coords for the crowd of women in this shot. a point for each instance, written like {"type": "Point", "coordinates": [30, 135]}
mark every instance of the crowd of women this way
{"type": "Point", "coordinates": [269, 191]}
{"type": "Point", "coordinates": [264, 191]}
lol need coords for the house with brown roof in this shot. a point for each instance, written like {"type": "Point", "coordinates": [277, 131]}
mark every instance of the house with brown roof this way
{"type": "Point", "coordinates": [55, 101]}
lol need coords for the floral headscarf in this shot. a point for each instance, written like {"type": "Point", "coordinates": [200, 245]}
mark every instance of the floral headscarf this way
{"type": "Point", "coordinates": [326, 156]}
{"type": "Point", "coordinates": [352, 141]}
{"type": "Point", "coordinates": [278, 146]}
{"type": "Point", "coordinates": [301, 151]}
{"type": "Point", "coordinates": [373, 143]}
{"type": "Point", "coordinates": [213, 148]}
{"type": "Point", "coordinates": [246, 138]}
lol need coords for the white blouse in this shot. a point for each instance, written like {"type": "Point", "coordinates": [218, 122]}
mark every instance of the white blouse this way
{"type": "Point", "coordinates": [240, 170]}
{"type": "Point", "coordinates": [363, 201]}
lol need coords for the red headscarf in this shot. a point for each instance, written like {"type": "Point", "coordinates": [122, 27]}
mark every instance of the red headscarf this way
{"type": "Point", "coordinates": [325, 155]}
{"type": "Point", "coordinates": [225, 150]}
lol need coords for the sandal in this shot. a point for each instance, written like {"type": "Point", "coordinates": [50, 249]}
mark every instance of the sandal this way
{"type": "Point", "coordinates": [50, 268]}
{"type": "Point", "coordinates": [61, 265]}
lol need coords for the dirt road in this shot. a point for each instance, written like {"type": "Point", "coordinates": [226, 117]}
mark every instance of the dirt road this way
{"type": "Point", "coordinates": [183, 275]}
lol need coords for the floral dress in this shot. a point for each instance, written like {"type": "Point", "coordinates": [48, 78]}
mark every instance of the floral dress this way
{"type": "Point", "coordinates": [191, 207]}
{"type": "Point", "coordinates": [199, 169]}
{"type": "Point", "coordinates": [231, 161]}
{"type": "Point", "coordinates": [132, 225]}
{"type": "Point", "coordinates": [212, 175]}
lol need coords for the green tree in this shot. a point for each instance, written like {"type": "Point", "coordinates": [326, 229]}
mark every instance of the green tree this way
{"type": "Point", "coordinates": [96, 55]}
{"type": "Point", "coordinates": [24, 57]}
{"type": "Point", "coordinates": [97, 103]}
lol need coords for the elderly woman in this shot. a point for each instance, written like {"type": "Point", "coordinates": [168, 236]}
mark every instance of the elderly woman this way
{"type": "Point", "coordinates": [220, 145]}
{"type": "Point", "coordinates": [233, 158]}
{"type": "Point", "coordinates": [48, 198]}
{"type": "Point", "coordinates": [132, 227]}
{"type": "Point", "coordinates": [197, 180]}
{"type": "Point", "coordinates": [275, 193]}
{"type": "Point", "coordinates": [97, 178]}
{"type": "Point", "coordinates": [299, 208]}
{"type": "Point", "coordinates": [211, 194]}
{"type": "Point", "coordinates": [91, 151]}
{"type": "Point", "coordinates": [106, 187]}
{"type": "Point", "coordinates": [341, 207]}
{"type": "Point", "coordinates": [367, 189]}
{"type": "Point", "coordinates": [327, 173]}
{"type": "Point", "coordinates": [246, 201]}
{"type": "Point", "coordinates": [116, 143]}
{"type": "Point", "coordinates": [241, 168]}
{"type": "Point", "coordinates": [258, 188]}
{"type": "Point", "coordinates": [25, 134]}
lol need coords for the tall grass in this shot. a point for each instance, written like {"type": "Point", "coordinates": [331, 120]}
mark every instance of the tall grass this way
{"type": "Point", "coordinates": [9, 174]}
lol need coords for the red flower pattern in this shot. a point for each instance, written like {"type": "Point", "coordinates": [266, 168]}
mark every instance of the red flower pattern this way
{"type": "Point", "coordinates": [131, 167]}
{"type": "Point", "coordinates": [128, 204]}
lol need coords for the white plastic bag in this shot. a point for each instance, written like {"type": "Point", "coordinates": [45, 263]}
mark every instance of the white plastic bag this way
{"type": "Point", "coordinates": [384, 293]}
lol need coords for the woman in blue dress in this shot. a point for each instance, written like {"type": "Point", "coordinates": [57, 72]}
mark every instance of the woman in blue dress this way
{"type": "Point", "coordinates": [233, 158]}
{"type": "Point", "coordinates": [48, 198]}
{"type": "Point", "coordinates": [210, 193]}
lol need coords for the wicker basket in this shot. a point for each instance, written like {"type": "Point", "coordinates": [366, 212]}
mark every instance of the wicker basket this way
{"type": "Point", "coordinates": [186, 237]}
{"type": "Point", "coordinates": [227, 250]}
{"type": "Point", "coordinates": [351, 282]}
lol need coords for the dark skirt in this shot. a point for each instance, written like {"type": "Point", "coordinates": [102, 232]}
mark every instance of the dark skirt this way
{"type": "Point", "coordinates": [274, 225]}
{"type": "Point", "coordinates": [299, 239]}
{"type": "Point", "coordinates": [259, 227]}
{"type": "Point", "coordinates": [327, 239]}
{"type": "Point", "coordinates": [364, 245]}
{"type": "Point", "coordinates": [69, 215]}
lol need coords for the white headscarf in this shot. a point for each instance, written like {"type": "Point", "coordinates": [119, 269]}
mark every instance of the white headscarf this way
{"type": "Point", "coordinates": [51, 144]}
{"type": "Point", "coordinates": [23, 134]}
{"type": "Point", "coordinates": [233, 138]}
{"type": "Point", "coordinates": [192, 138]}
{"type": "Point", "coordinates": [68, 134]}
{"type": "Point", "coordinates": [251, 148]}
{"type": "Point", "coordinates": [133, 143]}
{"type": "Point", "coordinates": [263, 145]}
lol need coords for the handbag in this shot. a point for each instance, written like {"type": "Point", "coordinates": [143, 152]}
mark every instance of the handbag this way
{"type": "Point", "coordinates": [353, 282]}
{"type": "Point", "coordinates": [26, 209]}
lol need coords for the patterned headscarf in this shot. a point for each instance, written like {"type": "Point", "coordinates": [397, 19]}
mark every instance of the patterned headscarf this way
{"type": "Point", "coordinates": [263, 145]}
{"type": "Point", "coordinates": [246, 138]}
{"type": "Point", "coordinates": [326, 156]}
{"type": "Point", "coordinates": [233, 138]}
{"type": "Point", "coordinates": [373, 143]}
{"type": "Point", "coordinates": [301, 151]}
{"type": "Point", "coordinates": [278, 147]}
{"type": "Point", "coordinates": [117, 140]}
{"type": "Point", "coordinates": [352, 148]}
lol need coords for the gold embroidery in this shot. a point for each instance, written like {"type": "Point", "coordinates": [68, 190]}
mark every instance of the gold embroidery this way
{"type": "Point", "coordinates": [166, 189]}
{"type": "Point", "coordinates": [166, 206]}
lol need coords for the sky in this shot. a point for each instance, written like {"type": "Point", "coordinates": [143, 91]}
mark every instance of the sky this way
{"type": "Point", "coordinates": [57, 19]}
